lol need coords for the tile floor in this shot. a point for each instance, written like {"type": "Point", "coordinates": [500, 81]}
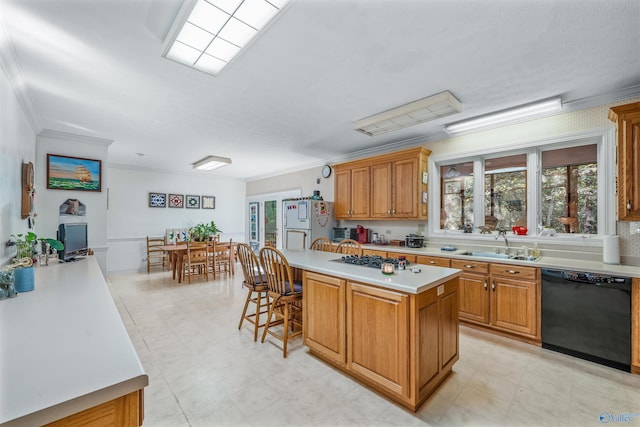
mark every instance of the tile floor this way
{"type": "Point", "coordinates": [203, 371]}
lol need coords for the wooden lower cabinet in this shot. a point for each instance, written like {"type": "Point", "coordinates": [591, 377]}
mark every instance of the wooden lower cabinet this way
{"type": "Point", "coordinates": [125, 411]}
{"type": "Point", "coordinates": [401, 345]}
{"type": "Point", "coordinates": [324, 319]}
{"type": "Point", "coordinates": [635, 326]}
{"type": "Point", "coordinates": [502, 297]}
{"type": "Point", "coordinates": [376, 252]}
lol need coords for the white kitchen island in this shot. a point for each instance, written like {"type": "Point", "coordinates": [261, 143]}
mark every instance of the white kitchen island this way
{"type": "Point", "coordinates": [65, 355]}
{"type": "Point", "coordinates": [396, 334]}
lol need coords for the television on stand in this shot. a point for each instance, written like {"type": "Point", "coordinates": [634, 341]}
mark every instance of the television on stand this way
{"type": "Point", "coordinates": [74, 238]}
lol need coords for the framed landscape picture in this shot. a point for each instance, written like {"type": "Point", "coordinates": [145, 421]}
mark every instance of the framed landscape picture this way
{"type": "Point", "coordinates": [73, 173]}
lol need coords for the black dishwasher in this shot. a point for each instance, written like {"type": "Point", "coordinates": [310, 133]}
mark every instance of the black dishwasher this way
{"type": "Point", "coordinates": [587, 315]}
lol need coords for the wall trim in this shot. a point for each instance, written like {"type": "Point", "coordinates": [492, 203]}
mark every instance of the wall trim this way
{"type": "Point", "coordinates": [66, 136]}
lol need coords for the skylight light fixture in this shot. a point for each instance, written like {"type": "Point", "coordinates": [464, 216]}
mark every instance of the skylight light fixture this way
{"type": "Point", "coordinates": [216, 31]}
{"type": "Point", "coordinates": [420, 111]}
{"type": "Point", "coordinates": [528, 111]}
{"type": "Point", "coordinates": [210, 163]}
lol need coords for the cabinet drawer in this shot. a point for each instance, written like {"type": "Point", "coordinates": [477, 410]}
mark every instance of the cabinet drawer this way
{"type": "Point", "coordinates": [374, 252]}
{"type": "Point", "coordinates": [410, 257]}
{"type": "Point", "coordinates": [513, 271]}
{"type": "Point", "coordinates": [434, 260]}
{"type": "Point", "coordinates": [470, 266]}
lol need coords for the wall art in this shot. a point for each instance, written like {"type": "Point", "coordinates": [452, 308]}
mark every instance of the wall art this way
{"type": "Point", "coordinates": [208, 202]}
{"type": "Point", "coordinates": [73, 173]}
{"type": "Point", "coordinates": [193, 202]}
{"type": "Point", "coordinates": [176, 200]}
{"type": "Point", "coordinates": [157, 200]}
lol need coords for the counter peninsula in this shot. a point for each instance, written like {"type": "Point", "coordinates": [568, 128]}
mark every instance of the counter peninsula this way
{"type": "Point", "coordinates": [66, 356]}
{"type": "Point", "coordinates": [396, 334]}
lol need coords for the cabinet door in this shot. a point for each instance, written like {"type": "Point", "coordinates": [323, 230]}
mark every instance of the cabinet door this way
{"type": "Point", "coordinates": [635, 326]}
{"type": "Point", "coordinates": [474, 297]}
{"type": "Point", "coordinates": [381, 183]}
{"type": "Point", "coordinates": [342, 196]}
{"type": "Point", "coordinates": [360, 193]}
{"type": "Point", "coordinates": [405, 188]}
{"type": "Point", "coordinates": [378, 336]}
{"type": "Point", "coordinates": [324, 316]}
{"type": "Point", "coordinates": [629, 168]}
{"type": "Point", "coordinates": [514, 305]}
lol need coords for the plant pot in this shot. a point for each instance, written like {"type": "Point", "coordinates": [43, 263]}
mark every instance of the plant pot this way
{"type": "Point", "coordinates": [24, 279]}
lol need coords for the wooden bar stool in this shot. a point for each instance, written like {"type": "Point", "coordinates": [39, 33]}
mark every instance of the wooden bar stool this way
{"type": "Point", "coordinates": [285, 294]}
{"type": "Point", "coordinates": [256, 283]}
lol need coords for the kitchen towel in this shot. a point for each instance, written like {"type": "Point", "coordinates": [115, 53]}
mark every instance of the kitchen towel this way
{"type": "Point", "coordinates": [611, 250]}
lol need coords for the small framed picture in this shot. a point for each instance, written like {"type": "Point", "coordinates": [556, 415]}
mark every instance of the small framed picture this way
{"type": "Point", "coordinates": [208, 202]}
{"type": "Point", "coordinates": [176, 200]}
{"type": "Point", "coordinates": [157, 200]}
{"type": "Point", "coordinates": [192, 202]}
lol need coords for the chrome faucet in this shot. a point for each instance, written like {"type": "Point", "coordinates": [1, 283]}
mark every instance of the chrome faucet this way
{"type": "Point", "coordinates": [503, 233]}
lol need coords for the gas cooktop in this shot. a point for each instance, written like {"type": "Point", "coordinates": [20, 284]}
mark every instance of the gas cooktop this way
{"type": "Point", "coordinates": [374, 261]}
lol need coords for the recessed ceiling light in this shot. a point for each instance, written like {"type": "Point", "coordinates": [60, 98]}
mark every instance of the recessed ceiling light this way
{"type": "Point", "coordinates": [215, 31]}
{"type": "Point", "coordinates": [211, 163]}
{"type": "Point", "coordinates": [501, 117]}
{"type": "Point", "coordinates": [420, 111]}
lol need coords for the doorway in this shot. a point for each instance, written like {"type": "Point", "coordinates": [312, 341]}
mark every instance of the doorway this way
{"type": "Point", "coordinates": [265, 211]}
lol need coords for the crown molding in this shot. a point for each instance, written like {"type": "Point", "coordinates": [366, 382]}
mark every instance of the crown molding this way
{"type": "Point", "coordinates": [66, 136]}
{"type": "Point", "coordinates": [12, 69]}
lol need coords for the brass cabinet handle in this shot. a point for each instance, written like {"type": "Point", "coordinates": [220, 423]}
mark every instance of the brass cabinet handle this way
{"type": "Point", "coordinates": [469, 266]}
{"type": "Point", "coordinates": [512, 271]}
{"type": "Point", "coordinates": [388, 211]}
{"type": "Point", "coordinates": [629, 204]}
{"type": "Point", "coordinates": [493, 286]}
{"type": "Point", "coordinates": [485, 285]}
{"type": "Point", "coordinates": [432, 262]}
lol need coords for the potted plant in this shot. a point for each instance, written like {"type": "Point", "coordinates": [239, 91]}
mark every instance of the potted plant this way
{"type": "Point", "coordinates": [23, 269]}
{"type": "Point", "coordinates": [201, 232]}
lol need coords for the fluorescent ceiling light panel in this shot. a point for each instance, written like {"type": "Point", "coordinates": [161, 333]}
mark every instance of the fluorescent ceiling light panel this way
{"type": "Point", "coordinates": [426, 109]}
{"type": "Point", "coordinates": [518, 113]}
{"type": "Point", "coordinates": [211, 162]}
{"type": "Point", "coordinates": [216, 31]}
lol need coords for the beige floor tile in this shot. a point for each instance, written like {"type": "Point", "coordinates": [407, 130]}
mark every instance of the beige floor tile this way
{"type": "Point", "coordinates": [205, 372]}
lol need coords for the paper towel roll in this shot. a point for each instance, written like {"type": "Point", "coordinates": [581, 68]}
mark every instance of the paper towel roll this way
{"type": "Point", "coordinates": [611, 250]}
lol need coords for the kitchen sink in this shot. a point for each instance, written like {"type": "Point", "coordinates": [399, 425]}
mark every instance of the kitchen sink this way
{"type": "Point", "coordinates": [500, 256]}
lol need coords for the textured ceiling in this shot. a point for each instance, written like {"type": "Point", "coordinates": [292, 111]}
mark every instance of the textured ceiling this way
{"type": "Point", "coordinates": [94, 68]}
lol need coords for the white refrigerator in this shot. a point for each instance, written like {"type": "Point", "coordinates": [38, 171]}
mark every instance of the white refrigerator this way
{"type": "Point", "coordinates": [304, 220]}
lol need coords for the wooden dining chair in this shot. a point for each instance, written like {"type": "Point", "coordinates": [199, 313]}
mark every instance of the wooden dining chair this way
{"type": "Point", "coordinates": [256, 283]}
{"type": "Point", "coordinates": [220, 257]}
{"type": "Point", "coordinates": [156, 257]}
{"type": "Point", "coordinates": [196, 261]}
{"type": "Point", "coordinates": [322, 244]}
{"type": "Point", "coordinates": [285, 295]}
{"type": "Point", "coordinates": [349, 247]}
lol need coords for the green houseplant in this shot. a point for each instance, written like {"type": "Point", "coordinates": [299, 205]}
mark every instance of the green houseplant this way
{"type": "Point", "coordinates": [22, 269]}
{"type": "Point", "coordinates": [201, 232]}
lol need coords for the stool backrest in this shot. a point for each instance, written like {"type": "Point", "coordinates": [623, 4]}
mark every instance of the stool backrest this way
{"type": "Point", "coordinates": [278, 271]}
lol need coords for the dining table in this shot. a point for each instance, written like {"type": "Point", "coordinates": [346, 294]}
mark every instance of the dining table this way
{"type": "Point", "coordinates": [178, 250]}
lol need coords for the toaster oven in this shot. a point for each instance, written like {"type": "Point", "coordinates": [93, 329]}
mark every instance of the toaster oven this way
{"type": "Point", "coordinates": [414, 241]}
{"type": "Point", "coordinates": [340, 233]}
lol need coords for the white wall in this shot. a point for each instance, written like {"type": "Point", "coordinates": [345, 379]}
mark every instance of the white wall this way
{"type": "Point", "coordinates": [130, 219]}
{"type": "Point", "coordinates": [17, 145]}
{"type": "Point", "coordinates": [305, 181]}
{"type": "Point", "coordinates": [48, 201]}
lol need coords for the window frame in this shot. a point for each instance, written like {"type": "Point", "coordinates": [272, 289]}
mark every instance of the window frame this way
{"type": "Point", "coordinates": [605, 142]}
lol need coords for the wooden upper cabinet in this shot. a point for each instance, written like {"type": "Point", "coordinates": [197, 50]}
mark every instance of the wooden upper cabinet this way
{"type": "Point", "coordinates": [395, 185]}
{"type": "Point", "coordinates": [627, 117]}
{"type": "Point", "coordinates": [351, 199]}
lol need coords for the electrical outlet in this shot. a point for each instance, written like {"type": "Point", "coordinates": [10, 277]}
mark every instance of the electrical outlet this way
{"type": "Point", "coordinates": [634, 227]}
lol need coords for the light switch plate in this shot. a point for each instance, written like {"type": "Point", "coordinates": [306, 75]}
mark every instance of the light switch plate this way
{"type": "Point", "coordinates": [634, 227]}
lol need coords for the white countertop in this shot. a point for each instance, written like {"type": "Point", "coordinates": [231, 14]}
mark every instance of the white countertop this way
{"type": "Point", "coordinates": [544, 261]}
{"type": "Point", "coordinates": [64, 347]}
{"type": "Point", "coordinates": [402, 280]}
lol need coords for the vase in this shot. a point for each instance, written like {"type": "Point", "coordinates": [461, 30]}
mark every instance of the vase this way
{"type": "Point", "coordinates": [24, 279]}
